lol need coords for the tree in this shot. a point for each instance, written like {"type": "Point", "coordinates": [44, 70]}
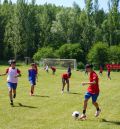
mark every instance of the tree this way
{"type": "Point", "coordinates": [99, 54]}
{"type": "Point", "coordinates": [113, 23]}
{"type": "Point", "coordinates": [45, 52]}
{"type": "Point", "coordinates": [12, 35]}
{"type": "Point", "coordinates": [71, 51]}
{"type": "Point", "coordinates": [115, 54]}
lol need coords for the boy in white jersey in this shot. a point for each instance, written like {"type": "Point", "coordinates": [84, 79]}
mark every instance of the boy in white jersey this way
{"type": "Point", "coordinates": [12, 79]}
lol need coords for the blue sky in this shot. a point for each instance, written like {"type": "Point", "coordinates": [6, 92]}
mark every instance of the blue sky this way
{"type": "Point", "coordinates": [67, 3]}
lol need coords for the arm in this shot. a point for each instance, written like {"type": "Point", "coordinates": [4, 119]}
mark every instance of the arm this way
{"type": "Point", "coordinates": [5, 72]}
{"type": "Point", "coordinates": [92, 82]}
{"type": "Point", "coordinates": [87, 83]}
{"type": "Point", "coordinates": [18, 73]}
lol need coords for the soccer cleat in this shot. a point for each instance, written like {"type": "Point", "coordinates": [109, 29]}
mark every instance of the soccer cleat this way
{"type": "Point", "coordinates": [97, 113]}
{"type": "Point", "coordinates": [11, 103]}
{"type": "Point", "coordinates": [83, 117]}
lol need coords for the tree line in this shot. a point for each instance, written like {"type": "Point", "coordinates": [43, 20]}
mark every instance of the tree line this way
{"type": "Point", "coordinates": [38, 31]}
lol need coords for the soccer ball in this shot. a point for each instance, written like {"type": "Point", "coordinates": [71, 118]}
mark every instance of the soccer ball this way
{"type": "Point", "coordinates": [75, 114]}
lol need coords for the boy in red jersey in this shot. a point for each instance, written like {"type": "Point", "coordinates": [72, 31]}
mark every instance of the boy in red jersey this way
{"type": "Point", "coordinates": [12, 79]}
{"type": "Point", "coordinates": [32, 75]}
{"type": "Point", "coordinates": [92, 92]}
{"type": "Point", "coordinates": [65, 80]}
{"type": "Point", "coordinates": [53, 69]}
{"type": "Point", "coordinates": [108, 72]}
{"type": "Point", "coordinates": [101, 70]}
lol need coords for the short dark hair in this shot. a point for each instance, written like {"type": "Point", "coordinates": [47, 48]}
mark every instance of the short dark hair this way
{"type": "Point", "coordinates": [11, 62]}
{"type": "Point", "coordinates": [32, 64]}
{"type": "Point", "coordinates": [89, 66]}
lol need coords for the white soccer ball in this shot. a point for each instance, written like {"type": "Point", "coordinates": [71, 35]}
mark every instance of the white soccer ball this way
{"type": "Point", "coordinates": [75, 114]}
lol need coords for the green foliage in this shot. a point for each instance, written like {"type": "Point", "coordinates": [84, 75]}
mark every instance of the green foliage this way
{"type": "Point", "coordinates": [99, 53]}
{"type": "Point", "coordinates": [115, 54]}
{"type": "Point", "coordinates": [80, 65]}
{"type": "Point", "coordinates": [25, 27]}
{"type": "Point", "coordinates": [46, 52]}
{"type": "Point", "coordinates": [71, 51]}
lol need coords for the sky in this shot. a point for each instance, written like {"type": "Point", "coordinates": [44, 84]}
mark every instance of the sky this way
{"type": "Point", "coordinates": [68, 3]}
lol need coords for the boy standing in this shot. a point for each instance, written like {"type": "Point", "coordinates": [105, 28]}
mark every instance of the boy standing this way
{"type": "Point", "coordinates": [69, 71]}
{"type": "Point", "coordinates": [101, 70]}
{"type": "Point", "coordinates": [108, 72]}
{"type": "Point", "coordinates": [12, 79]}
{"type": "Point", "coordinates": [65, 80]}
{"type": "Point", "coordinates": [32, 75]}
{"type": "Point", "coordinates": [92, 91]}
{"type": "Point", "coordinates": [53, 69]}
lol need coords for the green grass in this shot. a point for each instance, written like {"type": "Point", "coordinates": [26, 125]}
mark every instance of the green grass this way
{"type": "Point", "coordinates": [50, 109]}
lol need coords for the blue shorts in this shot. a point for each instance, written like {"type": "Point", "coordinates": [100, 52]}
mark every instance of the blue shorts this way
{"type": "Point", "coordinates": [12, 85]}
{"type": "Point", "coordinates": [94, 96]}
{"type": "Point", "coordinates": [32, 82]}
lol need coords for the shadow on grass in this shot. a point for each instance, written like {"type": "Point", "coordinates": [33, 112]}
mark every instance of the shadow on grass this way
{"type": "Point", "coordinates": [43, 96]}
{"type": "Point", "coordinates": [112, 122]}
{"type": "Point", "coordinates": [74, 93]}
{"type": "Point", "coordinates": [21, 105]}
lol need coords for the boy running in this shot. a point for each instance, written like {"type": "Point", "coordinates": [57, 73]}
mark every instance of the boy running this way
{"type": "Point", "coordinates": [65, 80]}
{"type": "Point", "coordinates": [92, 91]}
{"type": "Point", "coordinates": [12, 79]}
{"type": "Point", "coordinates": [32, 75]}
{"type": "Point", "coordinates": [101, 70]}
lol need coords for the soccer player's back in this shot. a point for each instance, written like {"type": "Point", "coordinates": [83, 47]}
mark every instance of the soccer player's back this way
{"type": "Point", "coordinates": [65, 80]}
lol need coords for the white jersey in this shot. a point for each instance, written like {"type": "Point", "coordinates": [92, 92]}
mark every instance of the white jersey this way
{"type": "Point", "coordinates": [46, 68]}
{"type": "Point", "coordinates": [12, 73]}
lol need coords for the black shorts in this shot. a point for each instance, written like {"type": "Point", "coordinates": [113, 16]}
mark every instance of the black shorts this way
{"type": "Point", "coordinates": [108, 74]}
{"type": "Point", "coordinates": [69, 74]}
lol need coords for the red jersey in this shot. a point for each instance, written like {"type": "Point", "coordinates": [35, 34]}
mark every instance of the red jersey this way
{"type": "Point", "coordinates": [53, 68]}
{"type": "Point", "coordinates": [65, 76]}
{"type": "Point", "coordinates": [93, 88]}
{"type": "Point", "coordinates": [108, 69]}
{"type": "Point", "coordinates": [101, 69]}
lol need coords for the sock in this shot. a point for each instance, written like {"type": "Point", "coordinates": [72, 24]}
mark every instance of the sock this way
{"type": "Point", "coordinates": [84, 111]}
{"type": "Point", "coordinates": [14, 95]}
{"type": "Point", "coordinates": [98, 109]}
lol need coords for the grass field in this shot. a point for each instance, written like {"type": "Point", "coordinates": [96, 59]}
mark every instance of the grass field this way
{"type": "Point", "coordinates": [49, 109]}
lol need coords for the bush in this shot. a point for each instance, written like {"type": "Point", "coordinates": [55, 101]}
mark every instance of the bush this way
{"type": "Point", "coordinates": [99, 54]}
{"type": "Point", "coordinates": [80, 65]}
{"type": "Point", "coordinates": [71, 51]}
{"type": "Point", "coordinates": [115, 54]}
{"type": "Point", "coordinates": [45, 52]}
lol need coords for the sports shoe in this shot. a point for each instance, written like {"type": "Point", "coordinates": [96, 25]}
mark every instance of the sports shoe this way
{"type": "Point", "coordinates": [83, 117]}
{"type": "Point", "coordinates": [97, 113]}
{"type": "Point", "coordinates": [11, 103]}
